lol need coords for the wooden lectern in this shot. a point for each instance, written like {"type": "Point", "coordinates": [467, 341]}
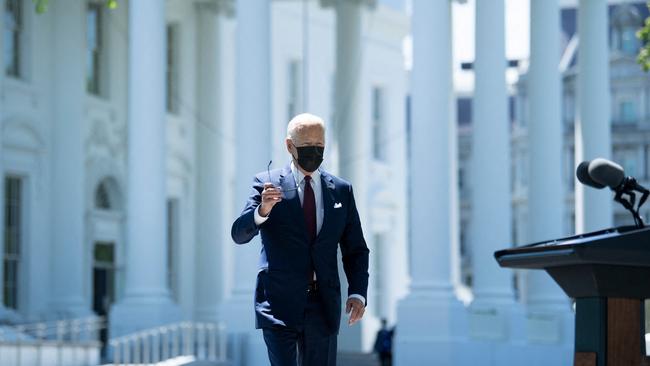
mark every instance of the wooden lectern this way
{"type": "Point", "coordinates": [608, 274]}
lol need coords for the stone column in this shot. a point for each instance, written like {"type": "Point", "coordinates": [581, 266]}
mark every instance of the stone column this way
{"type": "Point", "coordinates": [211, 154]}
{"type": "Point", "coordinates": [146, 302]}
{"type": "Point", "coordinates": [253, 123]}
{"type": "Point", "coordinates": [493, 315]}
{"type": "Point", "coordinates": [592, 125]}
{"type": "Point", "coordinates": [549, 316]}
{"type": "Point", "coordinates": [69, 273]}
{"type": "Point", "coordinates": [352, 141]}
{"type": "Point", "coordinates": [430, 318]}
{"type": "Point", "coordinates": [545, 189]}
{"type": "Point", "coordinates": [349, 129]}
{"type": "Point", "coordinates": [491, 202]}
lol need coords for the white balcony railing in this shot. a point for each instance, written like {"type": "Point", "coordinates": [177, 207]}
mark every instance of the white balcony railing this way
{"type": "Point", "coordinates": [69, 342]}
{"type": "Point", "coordinates": [202, 341]}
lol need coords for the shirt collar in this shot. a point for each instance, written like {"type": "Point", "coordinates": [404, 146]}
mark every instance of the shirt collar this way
{"type": "Point", "coordinates": [299, 176]}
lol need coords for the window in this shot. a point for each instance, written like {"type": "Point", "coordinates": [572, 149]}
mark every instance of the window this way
{"type": "Point", "coordinates": [569, 171]}
{"type": "Point", "coordinates": [172, 245]}
{"type": "Point", "coordinates": [293, 89]}
{"type": "Point", "coordinates": [465, 254]}
{"type": "Point", "coordinates": [464, 111]}
{"type": "Point", "coordinates": [646, 159]}
{"type": "Point", "coordinates": [102, 197]}
{"type": "Point", "coordinates": [629, 43]}
{"type": "Point", "coordinates": [627, 157]}
{"type": "Point", "coordinates": [94, 48]}
{"type": "Point", "coordinates": [378, 270]}
{"type": "Point", "coordinates": [378, 124]}
{"type": "Point", "coordinates": [627, 111]}
{"type": "Point", "coordinates": [461, 179]}
{"type": "Point", "coordinates": [172, 91]}
{"type": "Point", "coordinates": [13, 240]}
{"type": "Point", "coordinates": [13, 36]}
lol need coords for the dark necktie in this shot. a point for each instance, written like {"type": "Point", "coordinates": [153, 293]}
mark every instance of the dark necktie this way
{"type": "Point", "coordinates": [309, 210]}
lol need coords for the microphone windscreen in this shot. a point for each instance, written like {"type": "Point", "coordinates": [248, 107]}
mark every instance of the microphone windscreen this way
{"type": "Point", "coordinates": [582, 173]}
{"type": "Point", "coordinates": [606, 172]}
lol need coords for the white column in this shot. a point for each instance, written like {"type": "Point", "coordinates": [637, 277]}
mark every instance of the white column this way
{"type": "Point", "coordinates": [491, 200]}
{"type": "Point", "coordinates": [549, 317]}
{"type": "Point", "coordinates": [592, 126]}
{"type": "Point", "coordinates": [68, 160]}
{"type": "Point", "coordinates": [430, 318]}
{"type": "Point", "coordinates": [253, 145]}
{"type": "Point", "coordinates": [253, 140]}
{"type": "Point", "coordinates": [545, 189]}
{"type": "Point", "coordinates": [493, 315]}
{"type": "Point", "coordinates": [349, 129]}
{"type": "Point", "coordinates": [147, 300]}
{"type": "Point", "coordinates": [352, 140]}
{"type": "Point", "coordinates": [212, 181]}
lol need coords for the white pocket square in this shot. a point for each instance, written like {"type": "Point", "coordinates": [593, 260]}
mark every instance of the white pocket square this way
{"type": "Point", "coordinates": [338, 205]}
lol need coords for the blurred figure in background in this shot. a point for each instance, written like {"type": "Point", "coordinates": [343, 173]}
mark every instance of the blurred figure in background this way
{"type": "Point", "coordinates": [384, 344]}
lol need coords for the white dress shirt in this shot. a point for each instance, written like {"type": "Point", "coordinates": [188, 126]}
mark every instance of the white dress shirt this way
{"type": "Point", "coordinates": [317, 187]}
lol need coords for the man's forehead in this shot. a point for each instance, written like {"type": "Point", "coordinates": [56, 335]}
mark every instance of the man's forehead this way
{"type": "Point", "coordinates": [309, 125]}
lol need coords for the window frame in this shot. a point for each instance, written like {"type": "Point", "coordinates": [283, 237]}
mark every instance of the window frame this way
{"type": "Point", "coordinates": [18, 36]}
{"type": "Point", "coordinates": [378, 123]}
{"type": "Point", "coordinates": [172, 68]}
{"type": "Point", "coordinates": [16, 256]}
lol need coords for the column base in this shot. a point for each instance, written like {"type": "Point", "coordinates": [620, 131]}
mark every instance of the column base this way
{"type": "Point", "coordinates": [69, 308]}
{"type": "Point", "coordinates": [134, 314]}
{"type": "Point", "coordinates": [431, 329]}
{"type": "Point", "coordinates": [497, 319]}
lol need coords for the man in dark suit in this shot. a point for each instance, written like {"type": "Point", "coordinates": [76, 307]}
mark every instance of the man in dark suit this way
{"type": "Point", "coordinates": [303, 213]}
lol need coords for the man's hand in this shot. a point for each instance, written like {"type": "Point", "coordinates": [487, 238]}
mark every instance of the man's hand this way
{"type": "Point", "coordinates": [270, 196]}
{"type": "Point", "coordinates": [356, 306]}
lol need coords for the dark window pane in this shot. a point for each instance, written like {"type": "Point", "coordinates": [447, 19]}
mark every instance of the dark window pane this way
{"type": "Point", "coordinates": [12, 37]}
{"type": "Point", "coordinates": [93, 48]}
{"type": "Point", "coordinates": [12, 239]}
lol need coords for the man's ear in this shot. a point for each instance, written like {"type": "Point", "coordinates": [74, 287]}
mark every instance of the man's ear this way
{"type": "Point", "coordinates": [287, 142]}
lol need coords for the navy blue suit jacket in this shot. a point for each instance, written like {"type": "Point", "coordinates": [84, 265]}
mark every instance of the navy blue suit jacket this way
{"type": "Point", "coordinates": [287, 259]}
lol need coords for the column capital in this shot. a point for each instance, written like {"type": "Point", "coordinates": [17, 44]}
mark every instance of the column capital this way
{"type": "Point", "coordinates": [225, 7]}
{"type": "Point", "coordinates": [371, 4]}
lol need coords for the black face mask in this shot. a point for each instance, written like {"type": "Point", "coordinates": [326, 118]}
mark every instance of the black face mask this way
{"type": "Point", "coordinates": [310, 157]}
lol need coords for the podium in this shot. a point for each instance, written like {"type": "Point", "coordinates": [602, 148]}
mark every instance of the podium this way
{"type": "Point", "coordinates": [608, 274]}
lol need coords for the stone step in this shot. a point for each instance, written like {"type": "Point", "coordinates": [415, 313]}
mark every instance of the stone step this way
{"type": "Point", "coordinates": [356, 359]}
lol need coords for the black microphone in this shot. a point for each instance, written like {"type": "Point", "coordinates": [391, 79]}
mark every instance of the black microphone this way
{"type": "Point", "coordinates": [600, 173]}
{"type": "Point", "coordinates": [582, 173]}
{"type": "Point", "coordinates": [606, 172]}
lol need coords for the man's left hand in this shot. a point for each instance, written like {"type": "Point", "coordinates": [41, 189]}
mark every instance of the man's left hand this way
{"type": "Point", "coordinates": [355, 308]}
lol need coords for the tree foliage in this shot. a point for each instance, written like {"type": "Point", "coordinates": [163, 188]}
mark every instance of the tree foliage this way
{"type": "Point", "coordinates": [41, 5]}
{"type": "Point", "coordinates": [643, 58]}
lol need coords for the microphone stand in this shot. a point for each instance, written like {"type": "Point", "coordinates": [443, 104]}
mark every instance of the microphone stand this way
{"type": "Point", "coordinates": [628, 186]}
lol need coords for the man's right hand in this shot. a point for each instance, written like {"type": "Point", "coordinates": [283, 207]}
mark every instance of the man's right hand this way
{"type": "Point", "coordinates": [270, 196]}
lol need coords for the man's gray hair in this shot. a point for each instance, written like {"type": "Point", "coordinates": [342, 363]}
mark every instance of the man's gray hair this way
{"type": "Point", "coordinates": [300, 120]}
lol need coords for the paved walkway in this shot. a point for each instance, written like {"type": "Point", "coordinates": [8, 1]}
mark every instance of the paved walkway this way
{"type": "Point", "coordinates": [356, 359]}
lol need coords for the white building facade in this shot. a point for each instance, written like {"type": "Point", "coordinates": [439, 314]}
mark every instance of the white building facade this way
{"type": "Point", "coordinates": [129, 134]}
{"type": "Point", "coordinates": [520, 137]}
{"type": "Point", "coordinates": [130, 137]}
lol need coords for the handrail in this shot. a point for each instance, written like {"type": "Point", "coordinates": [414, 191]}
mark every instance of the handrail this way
{"type": "Point", "coordinates": [62, 330]}
{"type": "Point", "coordinates": [203, 340]}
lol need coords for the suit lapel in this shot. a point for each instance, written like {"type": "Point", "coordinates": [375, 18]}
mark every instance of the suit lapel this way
{"type": "Point", "coordinates": [327, 188]}
{"type": "Point", "coordinates": [288, 185]}
{"type": "Point", "coordinates": [290, 195]}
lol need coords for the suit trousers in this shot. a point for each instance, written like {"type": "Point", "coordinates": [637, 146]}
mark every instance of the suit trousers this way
{"type": "Point", "coordinates": [308, 345]}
